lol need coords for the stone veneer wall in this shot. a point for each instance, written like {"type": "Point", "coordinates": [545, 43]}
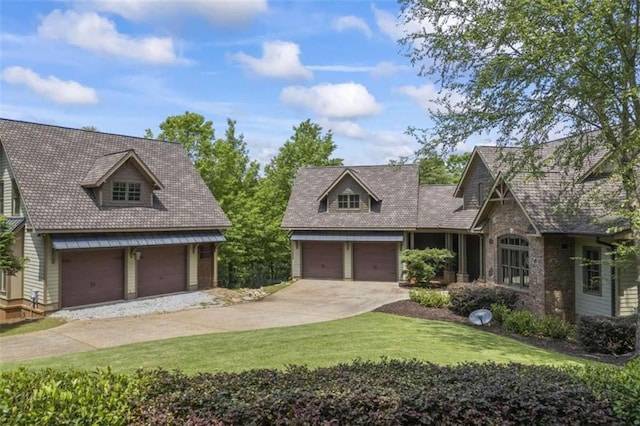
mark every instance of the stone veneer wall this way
{"type": "Point", "coordinates": [509, 219]}
{"type": "Point", "coordinates": [560, 297]}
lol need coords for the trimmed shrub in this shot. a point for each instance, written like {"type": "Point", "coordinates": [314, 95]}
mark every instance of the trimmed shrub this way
{"type": "Point", "coordinates": [608, 335]}
{"type": "Point", "coordinates": [556, 328]}
{"type": "Point", "coordinates": [522, 322]}
{"type": "Point", "coordinates": [420, 266]}
{"type": "Point", "coordinates": [42, 397]}
{"type": "Point", "coordinates": [430, 299]}
{"type": "Point", "coordinates": [467, 299]}
{"type": "Point", "coordinates": [364, 393]}
{"type": "Point", "coordinates": [617, 386]}
{"type": "Point", "coordinates": [500, 311]}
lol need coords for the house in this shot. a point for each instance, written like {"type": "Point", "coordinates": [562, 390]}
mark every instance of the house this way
{"type": "Point", "coordinates": [102, 217]}
{"type": "Point", "coordinates": [352, 223]}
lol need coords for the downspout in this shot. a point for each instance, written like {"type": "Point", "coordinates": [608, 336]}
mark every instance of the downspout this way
{"type": "Point", "coordinates": [613, 275]}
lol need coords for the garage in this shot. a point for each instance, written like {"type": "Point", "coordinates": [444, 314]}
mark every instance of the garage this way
{"type": "Point", "coordinates": [162, 270]}
{"type": "Point", "coordinates": [92, 276]}
{"type": "Point", "coordinates": [322, 260]}
{"type": "Point", "coordinates": [375, 261]}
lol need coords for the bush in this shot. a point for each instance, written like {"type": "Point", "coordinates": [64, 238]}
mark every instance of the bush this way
{"type": "Point", "coordinates": [608, 335]}
{"type": "Point", "coordinates": [67, 397]}
{"type": "Point", "coordinates": [467, 299]}
{"type": "Point", "coordinates": [500, 311]}
{"type": "Point", "coordinates": [421, 265]}
{"type": "Point", "coordinates": [617, 386]}
{"type": "Point", "coordinates": [522, 322]}
{"type": "Point", "coordinates": [556, 328]}
{"type": "Point", "coordinates": [364, 393]}
{"type": "Point", "coordinates": [430, 299]}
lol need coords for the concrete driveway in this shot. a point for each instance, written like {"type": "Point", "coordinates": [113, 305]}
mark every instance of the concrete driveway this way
{"type": "Point", "coordinates": [304, 302]}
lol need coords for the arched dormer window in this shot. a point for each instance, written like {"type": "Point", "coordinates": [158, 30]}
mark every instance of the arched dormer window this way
{"type": "Point", "coordinates": [513, 261]}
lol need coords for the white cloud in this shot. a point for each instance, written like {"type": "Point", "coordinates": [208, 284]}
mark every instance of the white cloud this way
{"type": "Point", "coordinates": [351, 22]}
{"type": "Point", "coordinates": [345, 100]}
{"type": "Point", "coordinates": [280, 59]}
{"type": "Point", "coordinates": [93, 32]}
{"type": "Point", "coordinates": [426, 96]}
{"type": "Point", "coordinates": [395, 27]}
{"type": "Point", "coordinates": [51, 88]}
{"type": "Point", "coordinates": [343, 127]}
{"type": "Point", "coordinates": [382, 69]}
{"type": "Point", "coordinates": [222, 13]}
{"type": "Point", "coordinates": [385, 69]}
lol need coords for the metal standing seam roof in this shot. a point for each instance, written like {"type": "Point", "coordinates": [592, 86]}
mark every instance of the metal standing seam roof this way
{"type": "Point", "coordinates": [347, 236]}
{"type": "Point", "coordinates": [137, 239]}
{"type": "Point", "coordinates": [15, 222]}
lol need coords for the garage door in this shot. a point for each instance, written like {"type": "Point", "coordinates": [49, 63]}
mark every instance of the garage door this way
{"type": "Point", "coordinates": [92, 276]}
{"type": "Point", "coordinates": [375, 261]}
{"type": "Point", "coordinates": [322, 260]}
{"type": "Point", "coordinates": [162, 270]}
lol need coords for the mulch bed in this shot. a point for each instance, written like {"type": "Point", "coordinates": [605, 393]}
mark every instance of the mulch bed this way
{"type": "Point", "coordinates": [409, 308]}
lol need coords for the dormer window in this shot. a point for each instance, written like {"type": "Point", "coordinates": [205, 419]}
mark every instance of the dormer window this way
{"type": "Point", "coordinates": [348, 202]}
{"type": "Point", "coordinates": [126, 191]}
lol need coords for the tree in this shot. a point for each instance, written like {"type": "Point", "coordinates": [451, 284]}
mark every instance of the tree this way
{"type": "Point", "coordinates": [521, 69]}
{"type": "Point", "coordinates": [10, 264]}
{"type": "Point", "coordinates": [436, 170]}
{"type": "Point", "coordinates": [190, 129]}
{"type": "Point", "coordinates": [90, 128]}
{"type": "Point", "coordinates": [308, 146]}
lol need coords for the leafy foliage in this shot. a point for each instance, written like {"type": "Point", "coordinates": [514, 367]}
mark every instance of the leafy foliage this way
{"type": "Point", "coordinates": [388, 392]}
{"type": "Point", "coordinates": [525, 323]}
{"type": "Point", "coordinates": [436, 170]}
{"type": "Point", "coordinates": [619, 386]}
{"type": "Point", "coordinates": [467, 299]}
{"type": "Point", "coordinates": [607, 335]}
{"type": "Point", "coordinates": [421, 265]}
{"type": "Point", "coordinates": [430, 298]}
{"type": "Point", "coordinates": [522, 322]}
{"type": "Point", "coordinates": [53, 397]}
{"type": "Point", "coordinates": [557, 328]}
{"type": "Point", "coordinates": [10, 264]}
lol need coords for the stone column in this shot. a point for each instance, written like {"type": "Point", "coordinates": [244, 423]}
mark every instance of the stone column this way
{"type": "Point", "coordinates": [462, 276]}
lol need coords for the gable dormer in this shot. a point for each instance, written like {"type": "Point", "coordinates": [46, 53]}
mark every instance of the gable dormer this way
{"type": "Point", "coordinates": [122, 179]}
{"type": "Point", "coordinates": [475, 182]}
{"type": "Point", "coordinates": [348, 193]}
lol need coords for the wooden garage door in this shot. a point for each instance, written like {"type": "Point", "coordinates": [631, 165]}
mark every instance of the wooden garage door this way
{"type": "Point", "coordinates": [162, 270]}
{"type": "Point", "coordinates": [92, 276]}
{"type": "Point", "coordinates": [322, 260]}
{"type": "Point", "coordinates": [375, 261]}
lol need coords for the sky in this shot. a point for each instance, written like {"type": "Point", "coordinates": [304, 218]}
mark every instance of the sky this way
{"type": "Point", "coordinates": [125, 65]}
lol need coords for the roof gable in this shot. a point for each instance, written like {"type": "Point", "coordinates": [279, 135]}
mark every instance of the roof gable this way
{"type": "Point", "coordinates": [355, 177]}
{"type": "Point", "coordinates": [106, 165]}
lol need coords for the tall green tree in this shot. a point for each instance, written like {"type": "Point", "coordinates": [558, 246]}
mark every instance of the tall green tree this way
{"type": "Point", "coordinates": [308, 146]}
{"type": "Point", "coordinates": [434, 169]}
{"type": "Point", "coordinates": [521, 69]}
{"type": "Point", "coordinates": [10, 264]}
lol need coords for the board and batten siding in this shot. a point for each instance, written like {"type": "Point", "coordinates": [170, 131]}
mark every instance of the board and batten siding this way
{"type": "Point", "coordinates": [296, 248]}
{"type": "Point", "coordinates": [592, 304]}
{"type": "Point", "coordinates": [52, 273]}
{"type": "Point", "coordinates": [192, 266]}
{"type": "Point", "coordinates": [131, 272]}
{"type": "Point", "coordinates": [347, 252]}
{"type": "Point", "coordinates": [627, 290]}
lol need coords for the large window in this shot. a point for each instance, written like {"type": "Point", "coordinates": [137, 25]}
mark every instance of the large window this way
{"type": "Point", "coordinates": [126, 191]}
{"type": "Point", "coordinates": [349, 201]}
{"type": "Point", "coordinates": [513, 258]}
{"type": "Point", "coordinates": [591, 282]}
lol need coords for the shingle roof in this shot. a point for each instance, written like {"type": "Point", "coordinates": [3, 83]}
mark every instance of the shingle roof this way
{"type": "Point", "coordinates": [438, 208]}
{"type": "Point", "coordinates": [50, 163]}
{"type": "Point", "coordinates": [397, 187]}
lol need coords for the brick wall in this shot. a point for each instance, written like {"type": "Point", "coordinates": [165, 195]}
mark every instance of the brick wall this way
{"type": "Point", "coordinates": [509, 219]}
{"type": "Point", "coordinates": [560, 276]}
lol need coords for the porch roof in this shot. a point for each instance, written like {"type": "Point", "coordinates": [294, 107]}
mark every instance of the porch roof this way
{"type": "Point", "coordinates": [133, 239]}
{"type": "Point", "coordinates": [347, 236]}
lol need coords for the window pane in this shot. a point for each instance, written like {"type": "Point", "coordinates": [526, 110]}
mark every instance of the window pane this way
{"type": "Point", "coordinates": [134, 192]}
{"type": "Point", "coordinates": [354, 201]}
{"type": "Point", "coordinates": [119, 191]}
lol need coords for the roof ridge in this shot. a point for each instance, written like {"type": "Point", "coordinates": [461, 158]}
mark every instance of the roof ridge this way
{"type": "Point", "coordinates": [88, 131]}
{"type": "Point", "coordinates": [360, 166]}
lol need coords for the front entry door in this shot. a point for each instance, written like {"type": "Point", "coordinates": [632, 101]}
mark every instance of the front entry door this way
{"type": "Point", "coordinates": [205, 265]}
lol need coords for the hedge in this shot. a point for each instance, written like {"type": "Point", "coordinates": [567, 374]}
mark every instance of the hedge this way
{"type": "Point", "coordinates": [608, 335]}
{"type": "Point", "coordinates": [467, 299]}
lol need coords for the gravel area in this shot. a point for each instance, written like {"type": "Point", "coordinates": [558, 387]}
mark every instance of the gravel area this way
{"type": "Point", "coordinates": [155, 305]}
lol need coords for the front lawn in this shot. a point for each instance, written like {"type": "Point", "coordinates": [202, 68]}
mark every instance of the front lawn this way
{"type": "Point", "coordinates": [29, 326]}
{"type": "Point", "coordinates": [368, 336]}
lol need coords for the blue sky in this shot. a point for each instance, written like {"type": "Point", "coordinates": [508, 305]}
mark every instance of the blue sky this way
{"type": "Point", "coordinates": [124, 66]}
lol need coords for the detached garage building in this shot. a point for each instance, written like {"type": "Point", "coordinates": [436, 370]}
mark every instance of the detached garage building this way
{"type": "Point", "coordinates": [102, 217]}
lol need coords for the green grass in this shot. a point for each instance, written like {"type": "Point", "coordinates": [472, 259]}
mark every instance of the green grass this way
{"type": "Point", "coordinates": [369, 337]}
{"type": "Point", "coordinates": [270, 289]}
{"type": "Point", "coordinates": [29, 326]}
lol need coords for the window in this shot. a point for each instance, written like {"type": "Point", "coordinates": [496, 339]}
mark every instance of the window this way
{"type": "Point", "coordinates": [480, 193]}
{"type": "Point", "coordinates": [591, 271]}
{"type": "Point", "coordinates": [349, 201]}
{"type": "Point", "coordinates": [15, 208]}
{"type": "Point", "coordinates": [126, 191]}
{"type": "Point", "coordinates": [513, 259]}
{"type": "Point", "coordinates": [1, 197]}
{"type": "Point", "coordinates": [3, 283]}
